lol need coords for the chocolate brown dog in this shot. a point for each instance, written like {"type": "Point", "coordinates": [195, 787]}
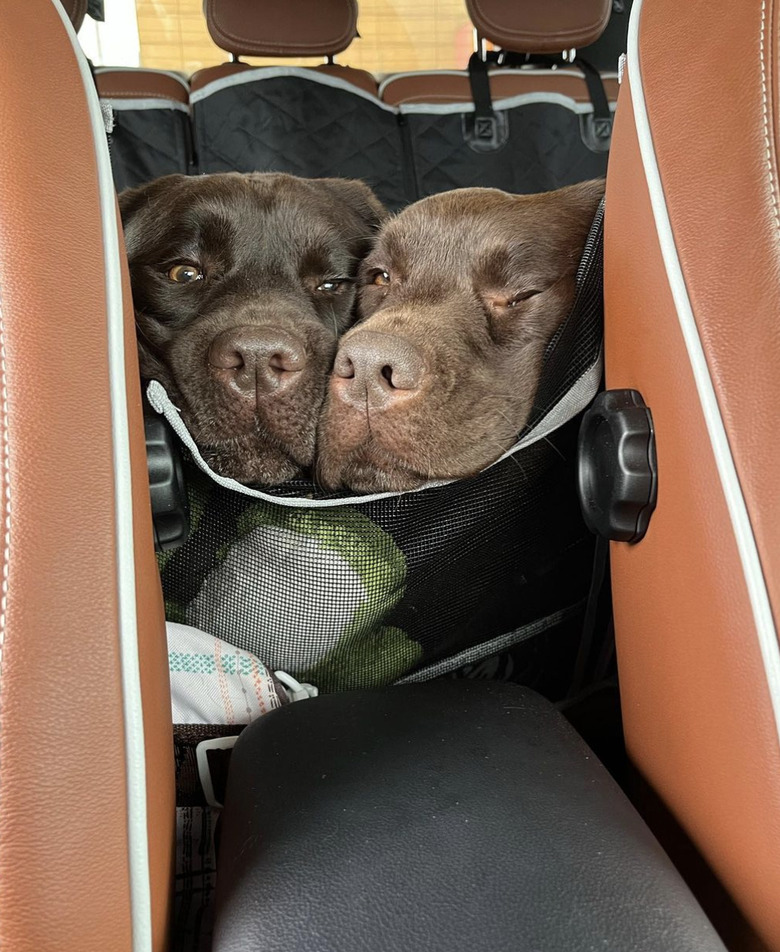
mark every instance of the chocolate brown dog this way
{"type": "Point", "coordinates": [458, 301]}
{"type": "Point", "coordinates": [242, 285]}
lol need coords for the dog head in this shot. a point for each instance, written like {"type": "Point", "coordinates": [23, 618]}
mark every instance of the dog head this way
{"type": "Point", "coordinates": [457, 303]}
{"type": "Point", "coordinates": [242, 285]}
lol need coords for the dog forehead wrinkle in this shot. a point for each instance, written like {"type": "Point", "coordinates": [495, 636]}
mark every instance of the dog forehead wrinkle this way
{"type": "Point", "coordinates": [323, 261]}
{"type": "Point", "coordinates": [505, 265]}
{"type": "Point", "coordinates": [419, 246]}
{"type": "Point", "coordinates": [290, 230]}
{"type": "Point", "coordinates": [215, 236]}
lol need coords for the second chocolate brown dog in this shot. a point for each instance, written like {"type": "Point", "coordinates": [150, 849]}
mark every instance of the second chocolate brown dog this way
{"type": "Point", "coordinates": [458, 301]}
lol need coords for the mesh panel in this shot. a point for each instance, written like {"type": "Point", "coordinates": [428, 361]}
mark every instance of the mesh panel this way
{"type": "Point", "coordinates": [362, 594]}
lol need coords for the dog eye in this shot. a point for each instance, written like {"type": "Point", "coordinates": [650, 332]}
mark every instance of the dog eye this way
{"type": "Point", "coordinates": [332, 285]}
{"type": "Point", "coordinates": [185, 273]}
{"type": "Point", "coordinates": [519, 298]}
{"type": "Point", "coordinates": [380, 278]}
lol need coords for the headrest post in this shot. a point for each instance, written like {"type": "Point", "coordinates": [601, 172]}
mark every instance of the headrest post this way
{"type": "Point", "coordinates": [569, 55]}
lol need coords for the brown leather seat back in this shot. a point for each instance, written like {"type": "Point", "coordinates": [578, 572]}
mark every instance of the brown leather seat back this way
{"type": "Point", "coordinates": [692, 285]}
{"type": "Point", "coordinates": [86, 771]}
{"type": "Point", "coordinates": [439, 87]}
{"type": "Point", "coordinates": [120, 83]}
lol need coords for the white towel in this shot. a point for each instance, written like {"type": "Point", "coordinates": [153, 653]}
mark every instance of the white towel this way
{"type": "Point", "coordinates": [213, 682]}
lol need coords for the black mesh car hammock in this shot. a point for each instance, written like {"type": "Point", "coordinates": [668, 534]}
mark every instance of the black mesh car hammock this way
{"type": "Point", "coordinates": [354, 592]}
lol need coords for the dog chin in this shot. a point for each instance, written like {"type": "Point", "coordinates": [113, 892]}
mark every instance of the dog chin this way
{"type": "Point", "coordinates": [364, 475]}
{"type": "Point", "coordinates": [264, 468]}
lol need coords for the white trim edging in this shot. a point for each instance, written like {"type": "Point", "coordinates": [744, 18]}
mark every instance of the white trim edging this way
{"type": "Point", "coordinates": [135, 754]}
{"type": "Point", "coordinates": [118, 105]}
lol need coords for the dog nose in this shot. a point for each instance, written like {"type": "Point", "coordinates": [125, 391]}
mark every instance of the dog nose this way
{"type": "Point", "coordinates": [378, 368]}
{"type": "Point", "coordinates": [257, 359]}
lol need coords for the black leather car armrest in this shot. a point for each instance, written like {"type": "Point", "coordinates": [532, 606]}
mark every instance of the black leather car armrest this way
{"type": "Point", "coordinates": [446, 817]}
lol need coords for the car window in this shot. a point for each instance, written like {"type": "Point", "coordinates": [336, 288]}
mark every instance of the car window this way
{"type": "Point", "coordinates": [171, 34]}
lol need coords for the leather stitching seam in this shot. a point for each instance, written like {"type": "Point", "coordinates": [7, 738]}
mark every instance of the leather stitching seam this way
{"type": "Point", "coordinates": [765, 107]}
{"type": "Point", "coordinates": [6, 478]}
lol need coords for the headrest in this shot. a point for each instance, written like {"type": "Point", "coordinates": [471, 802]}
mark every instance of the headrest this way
{"type": "Point", "coordinates": [539, 26]}
{"type": "Point", "coordinates": [76, 10]}
{"type": "Point", "coordinates": [282, 27]}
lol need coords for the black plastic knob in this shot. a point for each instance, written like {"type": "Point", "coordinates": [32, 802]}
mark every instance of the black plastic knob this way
{"type": "Point", "coordinates": [170, 508]}
{"type": "Point", "coordinates": [617, 469]}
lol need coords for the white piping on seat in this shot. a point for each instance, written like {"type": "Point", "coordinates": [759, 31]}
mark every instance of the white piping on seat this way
{"type": "Point", "coordinates": [135, 754]}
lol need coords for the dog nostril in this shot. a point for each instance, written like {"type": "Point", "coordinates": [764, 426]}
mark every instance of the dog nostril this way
{"type": "Point", "coordinates": [343, 367]}
{"type": "Point", "coordinates": [226, 358]}
{"type": "Point", "coordinates": [285, 362]}
{"type": "Point", "coordinates": [405, 373]}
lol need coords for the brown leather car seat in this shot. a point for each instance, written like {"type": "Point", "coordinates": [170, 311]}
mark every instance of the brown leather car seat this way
{"type": "Point", "coordinates": [86, 762]}
{"type": "Point", "coordinates": [692, 286]}
{"type": "Point", "coordinates": [295, 28]}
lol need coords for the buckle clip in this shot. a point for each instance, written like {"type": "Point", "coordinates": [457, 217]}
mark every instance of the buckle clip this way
{"type": "Point", "coordinates": [485, 128]}
{"type": "Point", "coordinates": [485, 133]}
{"type": "Point", "coordinates": [204, 767]}
{"type": "Point", "coordinates": [298, 691]}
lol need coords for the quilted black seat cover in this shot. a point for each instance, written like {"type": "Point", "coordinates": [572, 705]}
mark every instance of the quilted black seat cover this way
{"type": "Point", "coordinates": [544, 149]}
{"type": "Point", "coordinates": [148, 141]}
{"type": "Point", "coordinates": [290, 120]}
{"type": "Point", "coordinates": [286, 120]}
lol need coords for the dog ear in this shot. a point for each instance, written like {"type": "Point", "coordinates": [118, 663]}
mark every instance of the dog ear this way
{"type": "Point", "coordinates": [563, 220]}
{"type": "Point", "coordinates": [150, 365]}
{"type": "Point", "coordinates": [576, 205]}
{"type": "Point", "coordinates": [357, 196]}
{"type": "Point", "coordinates": [584, 197]}
{"type": "Point", "coordinates": [132, 200]}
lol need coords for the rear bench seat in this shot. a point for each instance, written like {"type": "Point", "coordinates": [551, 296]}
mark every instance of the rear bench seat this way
{"type": "Point", "coordinates": [410, 137]}
{"type": "Point", "coordinates": [152, 135]}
